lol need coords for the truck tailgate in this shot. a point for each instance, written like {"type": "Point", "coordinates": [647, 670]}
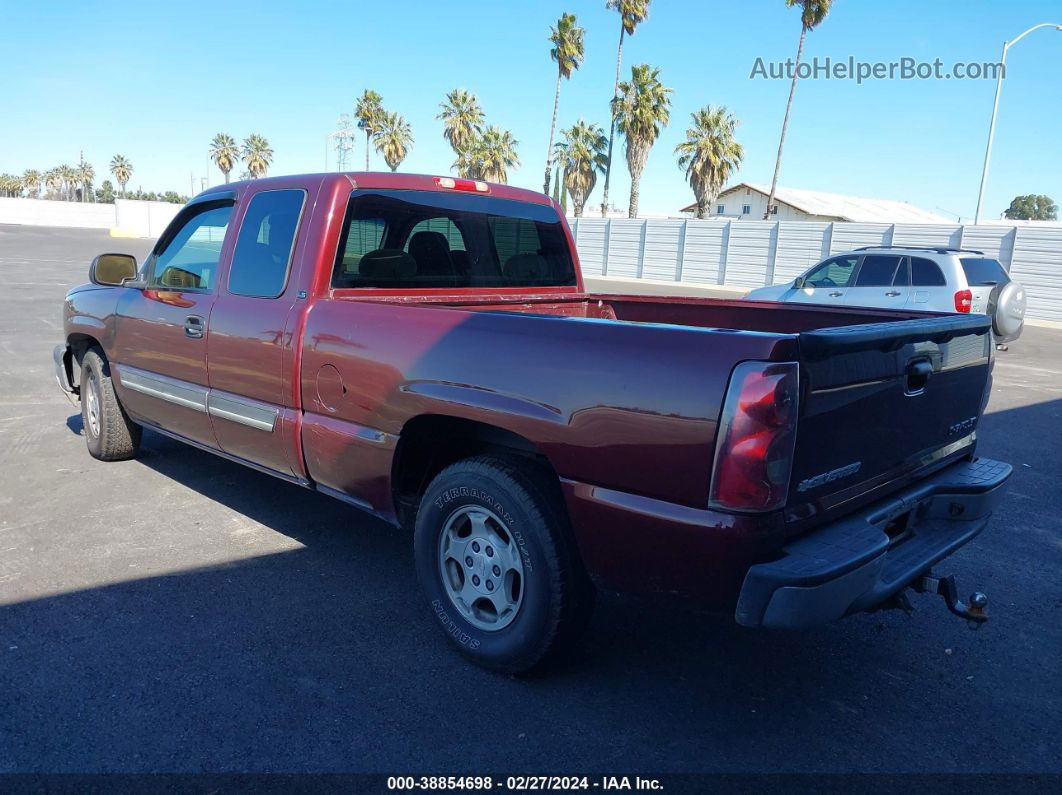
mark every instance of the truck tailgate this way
{"type": "Point", "coordinates": [881, 403]}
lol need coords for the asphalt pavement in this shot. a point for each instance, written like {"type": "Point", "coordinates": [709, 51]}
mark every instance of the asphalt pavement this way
{"type": "Point", "coordinates": [181, 613]}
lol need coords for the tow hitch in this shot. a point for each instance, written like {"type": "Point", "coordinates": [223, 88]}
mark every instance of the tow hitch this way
{"type": "Point", "coordinates": [974, 613]}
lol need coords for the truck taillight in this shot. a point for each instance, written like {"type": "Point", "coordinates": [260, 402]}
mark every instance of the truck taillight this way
{"type": "Point", "coordinates": [471, 185]}
{"type": "Point", "coordinates": [963, 301]}
{"type": "Point", "coordinates": [755, 438]}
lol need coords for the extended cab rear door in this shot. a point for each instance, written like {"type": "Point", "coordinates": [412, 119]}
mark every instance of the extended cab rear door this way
{"type": "Point", "coordinates": [252, 329]}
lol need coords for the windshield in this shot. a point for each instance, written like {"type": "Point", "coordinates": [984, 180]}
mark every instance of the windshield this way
{"type": "Point", "coordinates": [423, 239]}
{"type": "Point", "coordinates": [983, 270]}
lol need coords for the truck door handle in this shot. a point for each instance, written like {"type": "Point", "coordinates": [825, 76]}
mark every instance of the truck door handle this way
{"type": "Point", "coordinates": [194, 326]}
{"type": "Point", "coordinates": [836, 294]}
{"type": "Point", "coordinates": [892, 293]}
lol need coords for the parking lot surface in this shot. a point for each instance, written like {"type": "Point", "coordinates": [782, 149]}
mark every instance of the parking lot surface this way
{"type": "Point", "coordinates": [181, 613]}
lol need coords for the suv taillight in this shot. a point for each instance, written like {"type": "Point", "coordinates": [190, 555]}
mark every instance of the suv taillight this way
{"type": "Point", "coordinates": [754, 442]}
{"type": "Point", "coordinates": [963, 301]}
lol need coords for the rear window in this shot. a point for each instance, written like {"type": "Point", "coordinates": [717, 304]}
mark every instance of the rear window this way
{"type": "Point", "coordinates": [421, 239]}
{"type": "Point", "coordinates": [982, 270]}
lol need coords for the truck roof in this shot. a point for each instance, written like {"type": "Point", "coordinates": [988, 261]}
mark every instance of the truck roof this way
{"type": "Point", "coordinates": [383, 180]}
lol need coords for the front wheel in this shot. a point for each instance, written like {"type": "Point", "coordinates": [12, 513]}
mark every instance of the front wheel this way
{"type": "Point", "coordinates": [109, 433]}
{"type": "Point", "coordinates": [497, 563]}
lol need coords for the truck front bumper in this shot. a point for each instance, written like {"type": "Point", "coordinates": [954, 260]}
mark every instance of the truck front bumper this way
{"type": "Point", "coordinates": [859, 562]}
{"type": "Point", "coordinates": [62, 374]}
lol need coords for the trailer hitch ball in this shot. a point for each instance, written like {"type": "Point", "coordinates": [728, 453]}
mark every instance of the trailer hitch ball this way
{"type": "Point", "coordinates": [975, 612]}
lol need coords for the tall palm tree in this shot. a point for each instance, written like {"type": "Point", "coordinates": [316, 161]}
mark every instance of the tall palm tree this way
{"type": "Point", "coordinates": [393, 138]}
{"type": "Point", "coordinates": [53, 178]}
{"type": "Point", "coordinates": [225, 153]}
{"type": "Point", "coordinates": [632, 13]}
{"type": "Point", "coordinates": [122, 171]}
{"type": "Point", "coordinates": [85, 175]}
{"type": "Point", "coordinates": [31, 178]}
{"type": "Point", "coordinates": [69, 175]}
{"type": "Point", "coordinates": [257, 155]}
{"type": "Point", "coordinates": [462, 119]}
{"type": "Point", "coordinates": [812, 13]}
{"type": "Point", "coordinates": [467, 164]}
{"type": "Point", "coordinates": [709, 154]}
{"type": "Point", "coordinates": [495, 153]}
{"type": "Point", "coordinates": [641, 110]}
{"type": "Point", "coordinates": [567, 52]}
{"type": "Point", "coordinates": [581, 155]}
{"type": "Point", "coordinates": [368, 110]}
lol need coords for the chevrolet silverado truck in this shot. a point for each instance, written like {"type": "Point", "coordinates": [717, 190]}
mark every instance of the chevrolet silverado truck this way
{"type": "Point", "coordinates": [423, 349]}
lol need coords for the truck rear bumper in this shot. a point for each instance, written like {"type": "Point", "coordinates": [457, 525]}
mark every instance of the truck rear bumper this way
{"type": "Point", "coordinates": [859, 562]}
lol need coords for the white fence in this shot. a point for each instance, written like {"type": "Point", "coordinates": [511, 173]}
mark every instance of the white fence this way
{"type": "Point", "coordinates": [135, 218]}
{"type": "Point", "coordinates": [754, 253]}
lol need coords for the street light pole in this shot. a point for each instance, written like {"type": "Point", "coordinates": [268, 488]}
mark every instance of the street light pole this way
{"type": "Point", "coordinates": [995, 109]}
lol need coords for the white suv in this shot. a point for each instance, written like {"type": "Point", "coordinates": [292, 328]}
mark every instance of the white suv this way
{"type": "Point", "coordinates": [902, 277]}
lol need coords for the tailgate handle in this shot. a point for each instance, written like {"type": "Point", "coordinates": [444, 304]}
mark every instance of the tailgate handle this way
{"type": "Point", "coordinates": [918, 372]}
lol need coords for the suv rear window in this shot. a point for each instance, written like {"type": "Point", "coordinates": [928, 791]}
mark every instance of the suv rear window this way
{"type": "Point", "coordinates": [422, 239]}
{"type": "Point", "coordinates": [982, 270]}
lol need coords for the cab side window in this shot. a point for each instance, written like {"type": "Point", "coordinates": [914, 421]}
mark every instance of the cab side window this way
{"type": "Point", "coordinates": [835, 272]}
{"type": "Point", "coordinates": [189, 260]}
{"type": "Point", "coordinates": [263, 252]}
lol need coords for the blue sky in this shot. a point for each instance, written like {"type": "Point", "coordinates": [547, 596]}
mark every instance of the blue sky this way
{"type": "Point", "coordinates": [155, 81]}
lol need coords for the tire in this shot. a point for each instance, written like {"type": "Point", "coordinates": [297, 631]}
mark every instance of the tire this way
{"type": "Point", "coordinates": [1006, 305]}
{"type": "Point", "coordinates": [109, 433]}
{"type": "Point", "coordinates": [485, 511]}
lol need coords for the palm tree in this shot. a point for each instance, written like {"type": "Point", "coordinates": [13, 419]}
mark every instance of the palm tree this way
{"type": "Point", "coordinates": [641, 111]}
{"type": "Point", "coordinates": [393, 138]}
{"type": "Point", "coordinates": [632, 13]}
{"type": "Point", "coordinates": [10, 185]}
{"type": "Point", "coordinates": [257, 155]}
{"type": "Point", "coordinates": [69, 175]}
{"type": "Point", "coordinates": [567, 51]}
{"type": "Point", "coordinates": [462, 119]}
{"type": "Point", "coordinates": [812, 13]}
{"type": "Point", "coordinates": [581, 155]}
{"type": "Point", "coordinates": [85, 175]}
{"type": "Point", "coordinates": [368, 110]}
{"type": "Point", "coordinates": [495, 153]}
{"type": "Point", "coordinates": [709, 154]}
{"type": "Point", "coordinates": [224, 153]}
{"type": "Point", "coordinates": [467, 164]}
{"type": "Point", "coordinates": [53, 178]}
{"type": "Point", "coordinates": [31, 178]}
{"type": "Point", "coordinates": [122, 170]}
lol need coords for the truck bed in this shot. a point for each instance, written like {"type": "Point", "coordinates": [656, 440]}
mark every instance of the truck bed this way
{"type": "Point", "coordinates": [708, 313]}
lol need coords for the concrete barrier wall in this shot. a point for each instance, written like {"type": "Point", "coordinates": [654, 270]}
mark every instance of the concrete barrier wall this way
{"type": "Point", "coordinates": [751, 254]}
{"type": "Point", "coordinates": [127, 217]}
{"type": "Point", "coordinates": [39, 212]}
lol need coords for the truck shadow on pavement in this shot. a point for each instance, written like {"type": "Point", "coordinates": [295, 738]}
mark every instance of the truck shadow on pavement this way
{"type": "Point", "coordinates": [322, 657]}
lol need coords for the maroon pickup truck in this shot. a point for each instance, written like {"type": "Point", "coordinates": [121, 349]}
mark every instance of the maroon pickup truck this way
{"type": "Point", "coordinates": [423, 349]}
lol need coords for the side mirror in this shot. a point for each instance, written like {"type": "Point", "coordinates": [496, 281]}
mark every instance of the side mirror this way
{"type": "Point", "coordinates": [111, 270]}
{"type": "Point", "coordinates": [798, 283]}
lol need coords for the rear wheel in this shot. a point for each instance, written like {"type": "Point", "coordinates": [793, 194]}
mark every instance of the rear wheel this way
{"type": "Point", "coordinates": [497, 563]}
{"type": "Point", "coordinates": [109, 433]}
